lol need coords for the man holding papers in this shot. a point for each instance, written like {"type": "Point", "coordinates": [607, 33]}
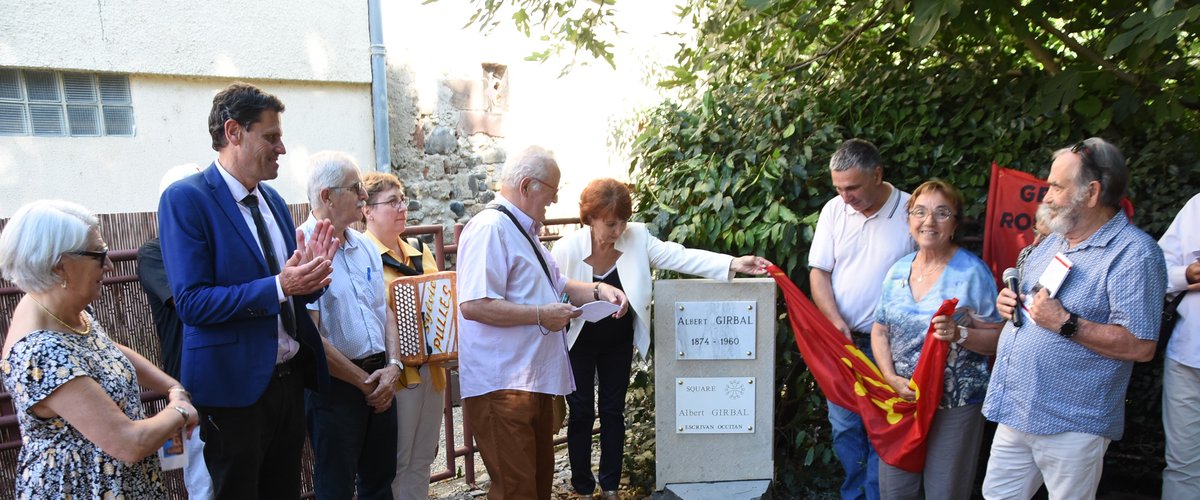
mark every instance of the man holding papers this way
{"type": "Point", "coordinates": [1059, 383]}
{"type": "Point", "coordinates": [512, 354]}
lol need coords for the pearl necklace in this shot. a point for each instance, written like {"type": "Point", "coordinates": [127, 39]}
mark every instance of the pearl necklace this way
{"type": "Point", "coordinates": [87, 325]}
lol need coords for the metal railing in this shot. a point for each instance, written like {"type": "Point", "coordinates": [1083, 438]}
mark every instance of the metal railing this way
{"type": "Point", "coordinates": [10, 438]}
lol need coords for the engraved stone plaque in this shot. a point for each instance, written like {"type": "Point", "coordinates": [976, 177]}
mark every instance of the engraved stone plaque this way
{"type": "Point", "coordinates": [715, 330]}
{"type": "Point", "coordinates": [714, 405]}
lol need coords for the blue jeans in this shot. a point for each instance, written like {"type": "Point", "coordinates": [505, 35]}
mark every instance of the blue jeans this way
{"type": "Point", "coordinates": [353, 447]}
{"type": "Point", "coordinates": [853, 447]}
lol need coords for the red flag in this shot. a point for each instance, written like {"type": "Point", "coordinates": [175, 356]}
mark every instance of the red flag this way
{"type": "Point", "coordinates": [1013, 198]}
{"type": "Point", "coordinates": [896, 427]}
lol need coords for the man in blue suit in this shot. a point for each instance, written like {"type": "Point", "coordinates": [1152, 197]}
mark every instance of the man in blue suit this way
{"type": "Point", "coordinates": [241, 278]}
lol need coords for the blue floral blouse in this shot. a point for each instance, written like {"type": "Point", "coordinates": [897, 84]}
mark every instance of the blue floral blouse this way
{"type": "Point", "coordinates": [56, 460]}
{"type": "Point", "coordinates": [966, 278]}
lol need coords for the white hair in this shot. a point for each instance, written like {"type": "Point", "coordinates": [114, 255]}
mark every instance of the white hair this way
{"type": "Point", "coordinates": [176, 173]}
{"type": "Point", "coordinates": [534, 161]}
{"type": "Point", "coordinates": [327, 169]}
{"type": "Point", "coordinates": [37, 236]}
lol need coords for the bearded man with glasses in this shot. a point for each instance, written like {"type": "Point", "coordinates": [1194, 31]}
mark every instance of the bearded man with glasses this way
{"type": "Point", "coordinates": [1059, 382]}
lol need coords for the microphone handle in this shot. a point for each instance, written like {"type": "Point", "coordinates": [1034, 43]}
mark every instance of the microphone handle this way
{"type": "Point", "coordinates": [1013, 285]}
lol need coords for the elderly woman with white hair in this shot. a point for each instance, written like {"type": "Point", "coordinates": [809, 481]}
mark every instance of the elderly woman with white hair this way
{"type": "Point", "coordinates": [75, 389]}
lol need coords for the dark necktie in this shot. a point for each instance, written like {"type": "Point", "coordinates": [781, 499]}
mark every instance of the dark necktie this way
{"type": "Point", "coordinates": [268, 248]}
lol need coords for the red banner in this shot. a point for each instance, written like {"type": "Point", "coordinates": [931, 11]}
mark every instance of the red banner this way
{"type": "Point", "coordinates": [896, 427]}
{"type": "Point", "coordinates": [1013, 198]}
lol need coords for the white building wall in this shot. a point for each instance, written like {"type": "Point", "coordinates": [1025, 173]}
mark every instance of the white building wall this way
{"type": "Point", "coordinates": [314, 55]}
{"type": "Point", "coordinates": [259, 39]}
{"type": "Point", "coordinates": [121, 174]}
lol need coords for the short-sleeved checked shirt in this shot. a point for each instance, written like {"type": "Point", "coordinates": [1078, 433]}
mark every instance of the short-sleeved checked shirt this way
{"type": "Point", "coordinates": [353, 308]}
{"type": "Point", "coordinates": [1045, 384]}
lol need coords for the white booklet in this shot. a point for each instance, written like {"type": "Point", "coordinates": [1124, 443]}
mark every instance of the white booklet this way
{"type": "Point", "coordinates": [597, 310]}
{"type": "Point", "coordinates": [1051, 279]}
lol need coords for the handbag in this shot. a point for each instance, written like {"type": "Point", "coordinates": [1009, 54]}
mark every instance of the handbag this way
{"type": "Point", "coordinates": [1170, 315]}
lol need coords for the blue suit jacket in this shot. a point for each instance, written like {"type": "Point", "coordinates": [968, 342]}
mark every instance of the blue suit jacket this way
{"type": "Point", "coordinates": [225, 294]}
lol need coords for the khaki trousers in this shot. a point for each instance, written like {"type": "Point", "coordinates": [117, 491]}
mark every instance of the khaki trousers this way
{"type": "Point", "coordinates": [513, 432]}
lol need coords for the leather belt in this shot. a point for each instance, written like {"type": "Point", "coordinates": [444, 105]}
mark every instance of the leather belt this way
{"type": "Point", "coordinates": [284, 369]}
{"type": "Point", "coordinates": [371, 363]}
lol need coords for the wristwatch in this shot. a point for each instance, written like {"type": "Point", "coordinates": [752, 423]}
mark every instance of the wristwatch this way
{"type": "Point", "coordinates": [963, 332]}
{"type": "Point", "coordinates": [596, 291]}
{"type": "Point", "coordinates": [396, 362]}
{"type": "Point", "coordinates": [1069, 327]}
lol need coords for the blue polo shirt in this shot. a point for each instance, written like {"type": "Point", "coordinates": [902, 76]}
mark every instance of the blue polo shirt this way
{"type": "Point", "coordinates": [1045, 384]}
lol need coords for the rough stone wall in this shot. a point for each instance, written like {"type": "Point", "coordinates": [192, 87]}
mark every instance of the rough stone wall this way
{"type": "Point", "coordinates": [449, 158]}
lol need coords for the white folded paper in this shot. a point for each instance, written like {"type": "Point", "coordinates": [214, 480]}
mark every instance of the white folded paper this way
{"type": "Point", "coordinates": [598, 310]}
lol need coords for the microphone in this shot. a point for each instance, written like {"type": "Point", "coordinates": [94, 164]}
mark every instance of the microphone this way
{"type": "Point", "coordinates": [1014, 283]}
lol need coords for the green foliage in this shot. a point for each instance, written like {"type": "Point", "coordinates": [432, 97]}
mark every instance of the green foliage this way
{"type": "Point", "coordinates": [572, 26]}
{"type": "Point", "coordinates": [639, 428]}
{"type": "Point", "coordinates": [944, 88]}
{"type": "Point", "coordinates": [769, 88]}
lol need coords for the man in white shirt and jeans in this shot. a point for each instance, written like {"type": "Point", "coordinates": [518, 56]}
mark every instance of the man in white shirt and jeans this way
{"type": "Point", "coordinates": [860, 234]}
{"type": "Point", "coordinates": [512, 354]}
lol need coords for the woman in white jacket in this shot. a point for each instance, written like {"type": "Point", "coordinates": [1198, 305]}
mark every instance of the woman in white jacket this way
{"type": "Point", "coordinates": [611, 250]}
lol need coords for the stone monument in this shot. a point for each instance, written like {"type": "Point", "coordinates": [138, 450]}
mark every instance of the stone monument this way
{"type": "Point", "coordinates": [714, 361]}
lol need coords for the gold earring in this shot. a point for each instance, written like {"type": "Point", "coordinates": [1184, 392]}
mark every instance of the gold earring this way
{"type": "Point", "coordinates": [63, 284]}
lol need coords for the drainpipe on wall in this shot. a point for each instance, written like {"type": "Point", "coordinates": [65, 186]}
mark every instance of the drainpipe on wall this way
{"type": "Point", "coordinates": [379, 103]}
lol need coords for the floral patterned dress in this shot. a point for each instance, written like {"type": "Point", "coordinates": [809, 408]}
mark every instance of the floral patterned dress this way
{"type": "Point", "coordinates": [56, 461]}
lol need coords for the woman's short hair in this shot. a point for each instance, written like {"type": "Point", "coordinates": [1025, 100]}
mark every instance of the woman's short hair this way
{"type": "Point", "coordinates": [603, 197]}
{"type": "Point", "coordinates": [36, 237]}
{"type": "Point", "coordinates": [377, 182]}
{"type": "Point", "coordinates": [948, 190]}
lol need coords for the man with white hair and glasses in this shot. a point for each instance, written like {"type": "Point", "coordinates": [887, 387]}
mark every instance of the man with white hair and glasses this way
{"type": "Point", "coordinates": [351, 423]}
{"type": "Point", "coordinates": [514, 307]}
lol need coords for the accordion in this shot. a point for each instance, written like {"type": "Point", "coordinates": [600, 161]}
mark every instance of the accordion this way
{"type": "Point", "coordinates": [426, 312]}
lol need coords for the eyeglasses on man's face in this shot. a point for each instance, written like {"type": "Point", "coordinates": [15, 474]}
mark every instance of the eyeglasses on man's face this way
{"type": "Point", "coordinates": [939, 215]}
{"type": "Point", "coordinates": [400, 204]}
{"type": "Point", "coordinates": [356, 187]}
{"type": "Point", "coordinates": [553, 189]}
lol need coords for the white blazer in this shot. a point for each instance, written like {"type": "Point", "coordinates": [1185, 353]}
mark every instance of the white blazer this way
{"type": "Point", "coordinates": [639, 253]}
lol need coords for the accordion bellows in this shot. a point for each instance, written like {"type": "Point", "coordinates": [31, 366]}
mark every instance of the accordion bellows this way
{"type": "Point", "coordinates": [426, 311]}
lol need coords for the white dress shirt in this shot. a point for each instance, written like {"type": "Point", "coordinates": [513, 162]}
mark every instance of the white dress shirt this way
{"type": "Point", "coordinates": [1179, 245]}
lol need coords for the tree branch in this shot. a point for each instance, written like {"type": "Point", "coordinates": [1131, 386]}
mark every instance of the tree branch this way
{"type": "Point", "coordinates": [1075, 46]}
{"type": "Point", "coordinates": [841, 43]}
{"type": "Point", "coordinates": [1039, 52]}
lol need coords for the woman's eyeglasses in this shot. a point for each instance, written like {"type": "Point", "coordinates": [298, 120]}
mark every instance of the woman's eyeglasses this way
{"type": "Point", "coordinates": [100, 255]}
{"type": "Point", "coordinates": [398, 204]}
{"type": "Point", "coordinates": [939, 215]}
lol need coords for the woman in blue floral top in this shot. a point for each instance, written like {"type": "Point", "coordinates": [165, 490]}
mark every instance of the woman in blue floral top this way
{"type": "Point", "coordinates": [912, 292]}
{"type": "Point", "coordinates": [76, 391]}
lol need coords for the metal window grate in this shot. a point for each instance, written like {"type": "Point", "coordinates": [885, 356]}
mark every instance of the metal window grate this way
{"type": "Point", "coordinates": [79, 87]}
{"type": "Point", "coordinates": [10, 84]}
{"type": "Point", "coordinates": [52, 103]}
{"type": "Point", "coordinates": [42, 86]}
{"type": "Point", "coordinates": [46, 119]}
{"type": "Point", "coordinates": [114, 89]}
{"type": "Point", "coordinates": [118, 120]}
{"type": "Point", "coordinates": [12, 119]}
{"type": "Point", "coordinates": [84, 120]}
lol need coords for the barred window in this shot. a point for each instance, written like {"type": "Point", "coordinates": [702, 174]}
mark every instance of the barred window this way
{"type": "Point", "coordinates": [57, 103]}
